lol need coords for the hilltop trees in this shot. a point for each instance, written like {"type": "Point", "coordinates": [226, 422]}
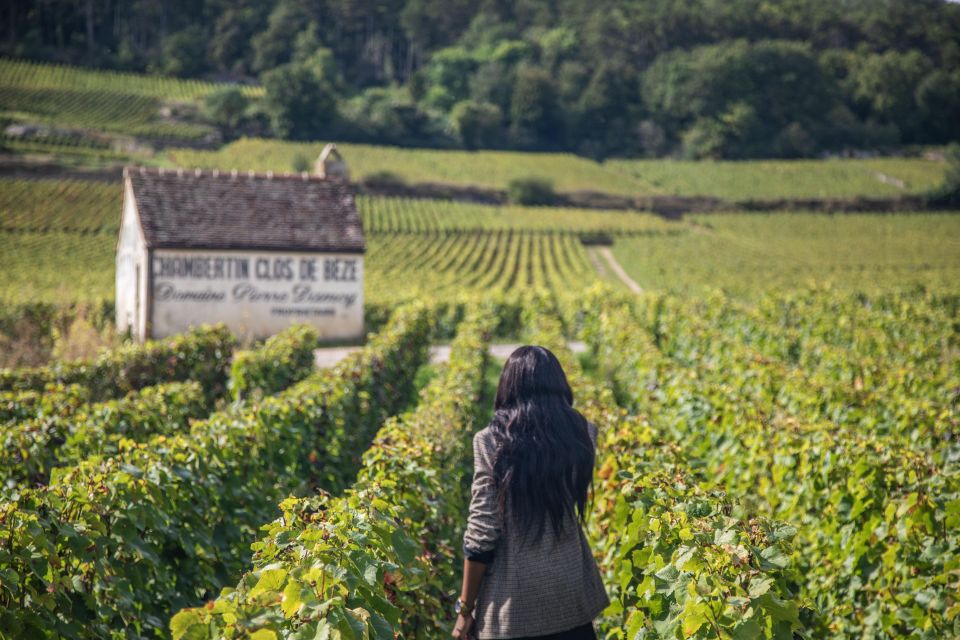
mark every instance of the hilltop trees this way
{"type": "Point", "coordinates": [700, 78]}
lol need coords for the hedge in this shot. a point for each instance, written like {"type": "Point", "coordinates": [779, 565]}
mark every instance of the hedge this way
{"type": "Point", "coordinates": [114, 544]}
{"type": "Point", "coordinates": [379, 559]}
{"type": "Point", "coordinates": [202, 354]}
{"type": "Point", "coordinates": [282, 360]}
{"type": "Point", "coordinates": [31, 449]}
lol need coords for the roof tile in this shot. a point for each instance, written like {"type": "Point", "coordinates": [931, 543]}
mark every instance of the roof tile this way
{"type": "Point", "coordinates": [222, 210]}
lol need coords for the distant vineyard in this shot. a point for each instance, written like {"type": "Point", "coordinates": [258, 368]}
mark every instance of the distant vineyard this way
{"type": "Point", "coordinates": [56, 267]}
{"type": "Point", "coordinates": [437, 266]}
{"type": "Point", "coordinates": [127, 114]}
{"type": "Point", "coordinates": [37, 75]}
{"type": "Point", "coordinates": [59, 205]}
{"type": "Point", "coordinates": [98, 101]}
{"type": "Point", "coordinates": [58, 241]}
{"type": "Point", "coordinates": [747, 253]}
{"type": "Point", "coordinates": [84, 205]}
{"type": "Point", "coordinates": [408, 215]}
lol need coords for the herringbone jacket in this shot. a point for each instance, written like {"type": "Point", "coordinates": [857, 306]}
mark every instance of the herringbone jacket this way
{"type": "Point", "coordinates": [535, 590]}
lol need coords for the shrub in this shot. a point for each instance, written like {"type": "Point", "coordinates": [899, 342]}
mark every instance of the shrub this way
{"type": "Point", "coordinates": [477, 124]}
{"type": "Point", "coordinates": [226, 107]}
{"type": "Point", "coordinates": [531, 191]}
{"type": "Point", "coordinates": [384, 179]}
{"type": "Point", "coordinates": [282, 360]}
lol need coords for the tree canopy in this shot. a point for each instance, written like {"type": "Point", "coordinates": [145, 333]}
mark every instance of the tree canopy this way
{"type": "Point", "coordinates": [699, 78]}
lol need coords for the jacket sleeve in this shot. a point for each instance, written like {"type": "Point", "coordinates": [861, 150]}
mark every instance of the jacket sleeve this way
{"type": "Point", "coordinates": [592, 430]}
{"type": "Point", "coordinates": [484, 526]}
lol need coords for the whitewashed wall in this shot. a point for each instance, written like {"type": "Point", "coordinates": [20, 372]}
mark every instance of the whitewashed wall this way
{"type": "Point", "coordinates": [257, 294]}
{"type": "Point", "coordinates": [131, 312]}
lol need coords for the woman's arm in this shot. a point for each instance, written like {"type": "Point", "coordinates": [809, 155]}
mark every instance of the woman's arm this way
{"type": "Point", "coordinates": [472, 577]}
{"type": "Point", "coordinates": [484, 528]}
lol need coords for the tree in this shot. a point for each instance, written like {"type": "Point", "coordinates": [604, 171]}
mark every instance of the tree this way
{"type": "Point", "coordinates": [449, 77]}
{"type": "Point", "coordinates": [938, 99]}
{"type": "Point", "coordinates": [535, 120]}
{"type": "Point", "coordinates": [477, 124]}
{"type": "Point", "coordinates": [226, 107]}
{"type": "Point", "coordinates": [605, 112]}
{"type": "Point", "coordinates": [947, 195]}
{"type": "Point", "coordinates": [733, 99]}
{"type": "Point", "coordinates": [185, 52]}
{"type": "Point", "coordinates": [273, 46]}
{"type": "Point", "coordinates": [885, 84]}
{"type": "Point", "coordinates": [300, 104]}
{"type": "Point", "coordinates": [236, 23]}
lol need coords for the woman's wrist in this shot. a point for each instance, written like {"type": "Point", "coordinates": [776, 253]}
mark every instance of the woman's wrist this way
{"type": "Point", "coordinates": [464, 606]}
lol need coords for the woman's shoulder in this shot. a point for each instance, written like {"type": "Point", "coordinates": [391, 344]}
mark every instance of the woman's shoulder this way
{"type": "Point", "coordinates": [486, 437]}
{"type": "Point", "coordinates": [593, 431]}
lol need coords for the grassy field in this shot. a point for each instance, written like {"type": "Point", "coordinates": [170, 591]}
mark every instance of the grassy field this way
{"type": "Point", "coordinates": [882, 177]}
{"type": "Point", "coordinates": [775, 179]}
{"type": "Point", "coordinates": [750, 253]}
{"type": "Point", "coordinates": [488, 169]}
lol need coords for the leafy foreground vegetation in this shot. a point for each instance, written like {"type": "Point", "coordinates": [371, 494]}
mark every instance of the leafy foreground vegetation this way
{"type": "Point", "coordinates": [832, 414]}
{"type": "Point", "coordinates": [784, 465]}
{"type": "Point", "coordinates": [115, 541]}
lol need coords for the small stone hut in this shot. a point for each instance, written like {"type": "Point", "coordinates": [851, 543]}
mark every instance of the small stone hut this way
{"type": "Point", "coordinates": [256, 251]}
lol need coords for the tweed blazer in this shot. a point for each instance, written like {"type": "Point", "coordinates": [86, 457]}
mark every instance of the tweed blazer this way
{"type": "Point", "coordinates": [532, 590]}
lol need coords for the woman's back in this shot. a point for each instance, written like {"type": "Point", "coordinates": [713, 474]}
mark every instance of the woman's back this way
{"type": "Point", "coordinates": [532, 586]}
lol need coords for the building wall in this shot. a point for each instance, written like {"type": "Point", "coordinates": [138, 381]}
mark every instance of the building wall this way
{"type": "Point", "coordinates": [131, 312]}
{"type": "Point", "coordinates": [257, 294]}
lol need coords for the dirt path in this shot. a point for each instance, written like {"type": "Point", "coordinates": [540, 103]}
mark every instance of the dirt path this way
{"type": "Point", "coordinates": [618, 270]}
{"type": "Point", "coordinates": [328, 357]}
{"type": "Point", "coordinates": [886, 179]}
{"type": "Point", "coordinates": [596, 262]}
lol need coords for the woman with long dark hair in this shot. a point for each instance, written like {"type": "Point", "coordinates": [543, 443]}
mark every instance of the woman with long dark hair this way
{"type": "Point", "coordinates": [528, 571]}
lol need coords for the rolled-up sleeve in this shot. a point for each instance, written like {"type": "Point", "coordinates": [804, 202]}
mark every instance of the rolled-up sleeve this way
{"type": "Point", "coordinates": [484, 525]}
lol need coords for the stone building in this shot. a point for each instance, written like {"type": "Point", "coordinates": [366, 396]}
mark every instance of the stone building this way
{"type": "Point", "coordinates": [258, 252]}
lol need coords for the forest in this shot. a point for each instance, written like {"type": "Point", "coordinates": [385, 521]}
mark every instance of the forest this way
{"type": "Point", "coordinates": [623, 78]}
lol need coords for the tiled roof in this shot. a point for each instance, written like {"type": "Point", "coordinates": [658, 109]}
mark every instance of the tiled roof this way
{"type": "Point", "coordinates": [182, 209]}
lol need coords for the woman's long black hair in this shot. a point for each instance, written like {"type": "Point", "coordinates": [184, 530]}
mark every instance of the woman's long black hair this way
{"type": "Point", "coordinates": [544, 462]}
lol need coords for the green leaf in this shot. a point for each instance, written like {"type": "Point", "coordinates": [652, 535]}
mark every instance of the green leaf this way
{"type": "Point", "coordinates": [323, 630]}
{"type": "Point", "coordinates": [747, 630]}
{"type": "Point", "coordinates": [759, 586]}
{"type": "Point", "coordinates": [291, 598]}
{"type": "Point", "coordinates": [693, 621]}
{"type": "Point", "coordinates": [778, 609]}
{"type": "Point", "coordinates": [773, 558]}
{"type": "Point", "coordinates": [270, 580]}
{"type": "Point", "coordinates": [405, 548]}
{"type": "Point", "coordinates": [187, 625]}
{"type": "Point", "coordinates": [635, 625]}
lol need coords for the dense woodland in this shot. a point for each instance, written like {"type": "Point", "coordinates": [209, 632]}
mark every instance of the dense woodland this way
{"type": "Point", "coordinates": [690, 78]}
